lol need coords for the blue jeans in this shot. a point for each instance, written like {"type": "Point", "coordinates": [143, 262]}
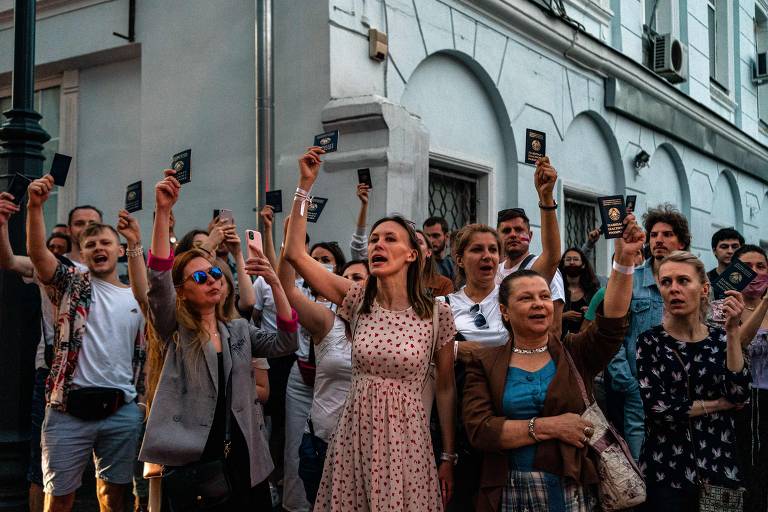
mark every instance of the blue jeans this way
{"type": "Point", "coordinates": [35, 471]}
{"type": "Point", "coordinates": [311, 461]}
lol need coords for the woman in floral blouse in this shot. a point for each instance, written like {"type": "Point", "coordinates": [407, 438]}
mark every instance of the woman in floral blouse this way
{"type": "Point", "coordinates": [692, 376]}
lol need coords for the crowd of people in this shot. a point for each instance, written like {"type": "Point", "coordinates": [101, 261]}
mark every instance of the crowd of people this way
{"type": "Point", "coordinates": [433, 370]}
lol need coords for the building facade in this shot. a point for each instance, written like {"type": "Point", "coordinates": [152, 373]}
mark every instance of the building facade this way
{"type": "Point", "coordinates": [440, 120]}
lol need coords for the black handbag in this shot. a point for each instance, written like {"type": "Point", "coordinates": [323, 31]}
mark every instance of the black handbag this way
{"type": "Point", "coordinates": [202, 485]}
{"type": "Point", "coordinates": [93, 404]}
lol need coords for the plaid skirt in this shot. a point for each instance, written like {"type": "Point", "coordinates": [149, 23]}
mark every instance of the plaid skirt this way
{"type": "Point", "coordinates": [535, 491]}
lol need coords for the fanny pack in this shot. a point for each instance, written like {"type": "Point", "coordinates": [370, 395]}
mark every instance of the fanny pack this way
{"type": "Point", "coordinates": [93, 404]}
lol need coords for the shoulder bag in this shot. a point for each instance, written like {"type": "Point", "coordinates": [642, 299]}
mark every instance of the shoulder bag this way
{"type": "Point", "coordinates": [202, 485]}
{"type": "Point", "coordinates": [621, 482]}
{"type": "Point", "coordinates": [712, 498]}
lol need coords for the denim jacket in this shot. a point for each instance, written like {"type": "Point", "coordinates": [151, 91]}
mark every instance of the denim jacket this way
{"type": "Point", "coordinates": [646, 311]}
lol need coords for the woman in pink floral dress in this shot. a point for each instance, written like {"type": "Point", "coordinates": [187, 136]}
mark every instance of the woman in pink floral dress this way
{"type": "Point", "coordinates": [380, 458]}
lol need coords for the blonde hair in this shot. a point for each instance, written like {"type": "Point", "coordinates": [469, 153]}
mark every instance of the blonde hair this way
{"type": "Point", "coordinates": [701, 272]}
{"type": "Point", "coordinates": [461, 241]}
{"type": "Point", "coordinates": [187, 316]}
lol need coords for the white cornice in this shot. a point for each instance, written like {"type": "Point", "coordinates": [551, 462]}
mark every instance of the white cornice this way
{"type": "Point", "coordinates": [45, 9]}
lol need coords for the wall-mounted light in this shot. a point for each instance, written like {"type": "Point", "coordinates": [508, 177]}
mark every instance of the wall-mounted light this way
{"type": "Point", "coordinates": [641, 159]}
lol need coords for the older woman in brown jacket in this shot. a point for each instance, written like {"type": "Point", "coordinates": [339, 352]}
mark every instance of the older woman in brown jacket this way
{"type": "Point", "coordinates": [522, 404]}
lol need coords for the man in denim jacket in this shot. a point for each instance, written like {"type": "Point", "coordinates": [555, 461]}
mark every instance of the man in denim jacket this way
{"type": "Point", "coordinates": [667, 231]}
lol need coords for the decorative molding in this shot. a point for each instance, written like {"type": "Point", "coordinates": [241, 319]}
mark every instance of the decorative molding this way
{"type": "Point", "coordinates": [45, 9]}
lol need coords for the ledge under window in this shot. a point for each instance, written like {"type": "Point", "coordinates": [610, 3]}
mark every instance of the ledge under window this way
{"type": "Point", "coordinates": [720, 96]}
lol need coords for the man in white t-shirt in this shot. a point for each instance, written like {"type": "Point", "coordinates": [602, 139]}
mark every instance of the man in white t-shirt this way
{"type": "Point", "coordinates": [98, 353]}
{"type": "Point", "coordinates": [514, 227]}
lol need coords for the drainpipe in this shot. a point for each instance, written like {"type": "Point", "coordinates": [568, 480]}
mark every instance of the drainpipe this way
{"type": "Point", "coordinates": [265, 105]}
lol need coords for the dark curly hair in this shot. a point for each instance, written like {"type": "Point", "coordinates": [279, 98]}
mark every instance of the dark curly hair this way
{"type": "Point", "coordinates": [668, 214]}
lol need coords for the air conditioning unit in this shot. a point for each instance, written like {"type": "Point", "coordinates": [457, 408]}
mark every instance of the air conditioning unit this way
{"type": "Point", "coordinates": [668, 58]}
{"type": "Point", "coordinates": [760, 69]}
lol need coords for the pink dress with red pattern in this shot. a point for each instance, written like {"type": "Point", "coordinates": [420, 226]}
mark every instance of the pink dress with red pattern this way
{"type": "Point", "coordinates": [380, 458]}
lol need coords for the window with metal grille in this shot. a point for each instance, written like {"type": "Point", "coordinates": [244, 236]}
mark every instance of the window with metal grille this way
{"type": "Point", "coordinates": [580, 219]}
{"type": "Point", "coordinates": [453, 196]}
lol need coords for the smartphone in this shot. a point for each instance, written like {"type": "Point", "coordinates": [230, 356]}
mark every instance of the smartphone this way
{"type": "Point", "coordinates": [253, 242]}
{"type": "Point", "coordinates": [226, 216]}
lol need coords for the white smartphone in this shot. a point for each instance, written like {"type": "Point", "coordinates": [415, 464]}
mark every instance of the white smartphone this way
{"type": "Point", "coordinates": [253, 242]}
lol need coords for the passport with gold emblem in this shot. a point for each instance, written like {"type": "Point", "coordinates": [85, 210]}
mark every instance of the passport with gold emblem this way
{"type": "Point", "coordinates": [735, 277]}
{"type": "Point", "coordinates": [612, 211]}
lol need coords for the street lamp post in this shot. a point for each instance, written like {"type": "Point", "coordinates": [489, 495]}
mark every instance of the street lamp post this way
{"type": "Point", "coordinates": [21, 139]}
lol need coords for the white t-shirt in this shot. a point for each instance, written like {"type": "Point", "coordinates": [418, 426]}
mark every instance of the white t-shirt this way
{"type": "Point", "coordinates": [333, 356]}
{"type": "Point", "coordinates": [494, 333]}
{"type": "Point", "coordinates": [555, 287]}
{"type": "Point", "coordinates": [265, 302]}
{"type": "Point", "coordinates": [106, 356]}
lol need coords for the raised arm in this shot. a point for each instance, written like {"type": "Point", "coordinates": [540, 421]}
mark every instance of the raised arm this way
{"type": "Point", "coordinates": [753, 322]}
{"type": "Point", "coordinates": [162, 294]}
{"type": "Point", "coordinates": [9, 261]}
{"type": "Point", "coordinates": [166, 195]}
{"type": "Point", "coordinates": [267, 215]}
{"type": "Point", "coordinates": [545, 178]}
{"type": "Point", "coordinates": [129, 227]}
{"type": "Point", "coordinates": [618, 292]}
{"type": "Point", "coordinates": [733, 307]}
{"type": "Point", "coordinates": [246, 294]}
{"type": "Point", "coordinates": [330, 286]}
{"type": "Point", "coordinates": [314, 317]}
{"type": "Point", "coordinates": [358, 247]}
{"type": "Point", "coordinates": [44, 261]}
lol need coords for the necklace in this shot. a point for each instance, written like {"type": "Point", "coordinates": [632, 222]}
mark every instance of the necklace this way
{"type": "Point", "coordinates": [529, 351]}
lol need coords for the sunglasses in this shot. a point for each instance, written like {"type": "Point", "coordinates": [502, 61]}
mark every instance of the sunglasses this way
{"type": "Point", "coordinates": [479, 320]}
{"type": "Point", "coordinates": [201, 276]}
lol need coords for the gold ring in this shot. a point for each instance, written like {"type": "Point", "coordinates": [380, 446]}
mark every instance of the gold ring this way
{"type": "Point", "coordinates": [589, 431]}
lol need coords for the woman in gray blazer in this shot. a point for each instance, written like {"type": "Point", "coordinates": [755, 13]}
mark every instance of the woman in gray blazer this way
{"type": "Point", "coordinates": [208, 354]}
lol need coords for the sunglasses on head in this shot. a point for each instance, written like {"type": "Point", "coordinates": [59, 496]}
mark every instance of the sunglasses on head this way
{"type": "Point", "coordinates": [201, 276]}
{"type": "Point", "coordinates": [479, 320]}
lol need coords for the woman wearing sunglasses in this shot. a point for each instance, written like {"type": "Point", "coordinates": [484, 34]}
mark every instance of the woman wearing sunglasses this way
{"type": "Point", "coordinates": [380, 457]}
{"type": "Point", "coordinates": [522, 402]}
{"type": "Point", "coordinates": [203, 419]}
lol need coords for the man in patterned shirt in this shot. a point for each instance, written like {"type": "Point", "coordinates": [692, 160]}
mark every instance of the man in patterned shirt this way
{"type": "Point", "coordinates": [91, 393]}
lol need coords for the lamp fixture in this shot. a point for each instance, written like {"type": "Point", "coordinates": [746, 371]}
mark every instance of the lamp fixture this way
{"type": "Point", "coordinates": [641, 160]}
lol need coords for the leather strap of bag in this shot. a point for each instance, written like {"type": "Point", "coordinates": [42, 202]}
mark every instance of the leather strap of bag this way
{"type": "Point", "coordinates": [435, 329]}
{"type": "Point", "coordinates": [576, 375]}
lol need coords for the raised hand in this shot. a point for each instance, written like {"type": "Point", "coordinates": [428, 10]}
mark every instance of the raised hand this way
{"type": "Point", "coordinates": [232, 239]}
{"type": "Point", "coordinates": [544, 178]}
{"type": "Point", "coordinates": [267, 215]}
{"type": "Point", "coordinates": [362, 193]}
{"type": "Point", "coordinates": [733, 307]}
{"type": "Point", "coordinates": [631, 242]}
{"type": "Point", "coordinates": [7, 208]}
{"type": "Point", "coordinates": [167, 190]}
{"type": "Point", "coordinates": [309, 166]}
{"type": "Point", "coordinates": [128, 226]}
{"type": "Point", "coordinates": [39, 191]}
{"type": "Point", "coordinates": [259, 266]}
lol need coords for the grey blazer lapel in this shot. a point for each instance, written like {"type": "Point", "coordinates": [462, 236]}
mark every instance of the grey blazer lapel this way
{"type": "Point", "coordinates": [213, 365]}
{"type": "Point", "coordinates": [226, 350]}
